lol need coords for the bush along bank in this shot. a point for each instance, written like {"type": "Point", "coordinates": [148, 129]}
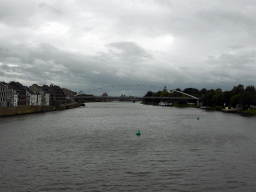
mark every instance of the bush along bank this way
{"type": "Point", "coordinates": [247, 112]}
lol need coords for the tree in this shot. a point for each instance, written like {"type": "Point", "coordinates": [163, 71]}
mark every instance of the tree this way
{"type": "Point", "coordinates": [236, 99]}
{"type": "Point", "coordinates": [238, 89]}
{"type": "Point", "coordinates": [251, 89]}
{"type": "Point", "coordinates": [203, 91]}
{"type": "Point", "coordinates": [192, 91]}
{"type": "Point", "coordinates": [164, 94]}
{"type": "Point", "coordinates": [195, 92]}
{"type": "Point", "coordinates": [218, 91]}
{"type": "Point", "coordinates": [148, 94]}
{"type": "Point", "coordinates": [208, 98]}
{"type": "Point", "coordinates": [157, 94]}
{"type": "Point", "coordinates": [248, 98]}
{"type": "Point", "coordinates": [177, 94]}
{"type": "Point", "coordinates": [226, 97]}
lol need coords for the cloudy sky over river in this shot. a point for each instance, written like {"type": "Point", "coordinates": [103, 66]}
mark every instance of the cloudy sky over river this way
{"type": "Point", "coordinates": [84, 44]}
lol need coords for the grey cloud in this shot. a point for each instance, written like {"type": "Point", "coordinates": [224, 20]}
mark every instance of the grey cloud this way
{"type": "Point", "coordinates": [130, 51]}
{"type": "Point", "coordinates": [239, 61]}
{"type": "Point", "coordinates": [17, 13]}
{"type": "Point", "coordinates": [235, 47]}
{"type": "Point", "coordinates": [225, 31]}
{"type": "Point", "coordinates": [164, 2]}
{"type": "Point", "coordinates": [51, 8]}
{"type": "Point", "coordinates": [78, 69]}
{"type": "Point", "coordinates": [228, 19]}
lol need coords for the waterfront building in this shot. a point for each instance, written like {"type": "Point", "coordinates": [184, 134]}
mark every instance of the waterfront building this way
{"type": "Point", "coordinates": [3, 89]}
{"type": "Point", "coordinates": [11, 96]}
{"type": "Point", "coordinates": [31, 97]}
{"type": "Point", "coordinates": [20, 92]}
{"type": "Point", "coordinates": [41, 94]}
{"type": "Point", "coordinates": [57, 96]}
{"type": "Point", "coordinates": [70, 95]}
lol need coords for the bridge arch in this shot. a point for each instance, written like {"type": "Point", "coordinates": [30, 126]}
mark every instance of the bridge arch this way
{"type": "Point", "coordinates": [135, 85]}
{"type": "Point", "coordinates": [87, 96]}
{"type": "Point", "coordinates": [106, 88]}
{"type": "Point", "coordinates": [174, 90]}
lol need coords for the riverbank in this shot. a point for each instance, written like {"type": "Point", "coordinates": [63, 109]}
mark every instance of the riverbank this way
{"type": "Point", "coordinates": [8, 111]}
{"type": "Point", "coordinates": [173, 105]}
{"type": "Point", "coordinates": [243, 112]}
{"type": "Point", "coordinates": [246, 112]}
{"type": "Point", "coordinates": [184, 105]}
{"type": "Point", "coordinates": [149, 103]}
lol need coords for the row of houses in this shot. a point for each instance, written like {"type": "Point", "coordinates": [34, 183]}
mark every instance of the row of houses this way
{"type": "Point", "coordinates": [15, 94]}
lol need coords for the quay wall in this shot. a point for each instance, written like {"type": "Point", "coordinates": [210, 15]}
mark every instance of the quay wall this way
{"type": "Point", "coordinates": [7, 111]}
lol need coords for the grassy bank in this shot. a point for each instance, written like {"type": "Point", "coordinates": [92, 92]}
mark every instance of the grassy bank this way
{"type": "Point", "coordinates": [184, 105]}
{"type": "Point", "coordinates": [246, 112]}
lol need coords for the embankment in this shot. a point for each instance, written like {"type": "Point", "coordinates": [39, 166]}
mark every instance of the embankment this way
{"type": "Point", "coordinates": [7, 111]}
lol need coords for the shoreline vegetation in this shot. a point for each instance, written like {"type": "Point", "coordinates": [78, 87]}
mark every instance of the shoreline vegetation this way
{"type": "Point", "coordinates": [245, 112]}
{"type": "Point", "coordinates": [239, 100]}
{"type": "Point", "coordinates": [21, 110]}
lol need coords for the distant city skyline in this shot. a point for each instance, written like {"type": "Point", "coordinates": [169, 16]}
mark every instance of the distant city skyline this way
{"type": "Point", "coordinates": [84, 45]}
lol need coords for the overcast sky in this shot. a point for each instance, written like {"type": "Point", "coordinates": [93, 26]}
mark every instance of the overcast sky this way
{"type": "Point", "coordinates": [86, 44]}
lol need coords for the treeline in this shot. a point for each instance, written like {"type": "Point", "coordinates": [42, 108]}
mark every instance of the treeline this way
{"type": "Point", "coordinates": [218, 99]}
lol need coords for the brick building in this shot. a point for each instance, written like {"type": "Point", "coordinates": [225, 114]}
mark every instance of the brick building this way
{"type": "Point", "coordinates": [3, 89]}
{"type": "Point", "coordinates": [20, 90]}
{"type": "Point", "coordinates": [57, 96]}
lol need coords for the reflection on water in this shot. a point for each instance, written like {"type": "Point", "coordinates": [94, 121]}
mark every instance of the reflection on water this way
{"type": "Point", "coordinates": [95, 148]}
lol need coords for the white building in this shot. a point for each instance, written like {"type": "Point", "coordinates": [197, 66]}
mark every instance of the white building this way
{"type": "Point", "coordinates": [15, 100]}
{"type": "Point", "coordinates": [31, 97]}
{"type": "Point", "coordinates": [47, 98]}
{"type": "Point", "coordinates": [43, 98]}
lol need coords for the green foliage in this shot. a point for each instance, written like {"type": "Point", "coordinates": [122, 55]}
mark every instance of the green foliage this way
{"type": "Point", "coordinates": [226, 97]}
{"type": "Point", "coordinates": [251, 89]}
{"type": "Point", "coordinates": [246, 112]}
{"type": "Point", "coordinates": [218, 108]}
{"type": "Point", "coordinates": [238, 89]}
{"type": "Point", "coordinates": [182, 101]}
{"type": "Point", "coordinates": [208, 98]}
{"type": "Point", "coordinates": [183, 105]}
{"type": "Point", "coordinates": [157, 94]}
{"type": "Point", "coordinates": [164, 94]}
{"type": "Point", "coordinates": [236, 99]}
{"type": "Point", "coordinates": [203, 91]}
{"type": "Point", "coordinates": [248, 99]}
{"type": "Point", "coordinates": [148, 94]}
{"type": "Point", "coordinates": [215, 98]}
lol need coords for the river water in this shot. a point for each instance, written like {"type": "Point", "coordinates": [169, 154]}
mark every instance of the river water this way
{"type": "Point", "coordinates": [95, 148]}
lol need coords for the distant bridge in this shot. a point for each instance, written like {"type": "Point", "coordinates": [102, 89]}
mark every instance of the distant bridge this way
{"type": "Point", "coordinates": [131, 98]}
{"type": "Point", "coordinates": [135, 98]}
{"type": "Point", "coordinates": [85, 97]}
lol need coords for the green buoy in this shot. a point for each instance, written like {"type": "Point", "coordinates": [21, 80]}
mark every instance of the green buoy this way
{"type": "Point", "coordinates": [138, 133]}
{"type": "Point", "coordinates": [197, 118]}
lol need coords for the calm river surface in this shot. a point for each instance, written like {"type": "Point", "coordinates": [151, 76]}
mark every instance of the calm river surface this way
{"type": "Point", "coordinates": [95, 148]}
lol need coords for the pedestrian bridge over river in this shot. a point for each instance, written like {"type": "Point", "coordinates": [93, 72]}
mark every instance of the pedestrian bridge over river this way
{"type": "Point", "coordinates": [131, 98]}
{"type": "Point", "coordinates": [134, 98]}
